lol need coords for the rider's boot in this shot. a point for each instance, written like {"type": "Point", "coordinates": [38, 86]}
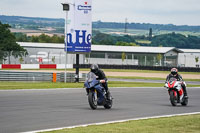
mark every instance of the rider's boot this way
{"type": "Point", "coordinates": [185, 91]}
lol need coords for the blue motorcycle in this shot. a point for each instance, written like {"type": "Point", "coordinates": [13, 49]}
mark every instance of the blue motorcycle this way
{"type": "Point", "coordinates": [97, 96]}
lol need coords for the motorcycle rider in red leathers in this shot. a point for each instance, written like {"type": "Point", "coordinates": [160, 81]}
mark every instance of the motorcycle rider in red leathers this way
{"type": "Point", "coordinates": [174, 74]}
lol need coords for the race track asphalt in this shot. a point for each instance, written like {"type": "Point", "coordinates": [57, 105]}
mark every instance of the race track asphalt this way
{"type": "Point", "coordinates": [29, 110]}
{"type": "Point", "coordinates": [150, 81]}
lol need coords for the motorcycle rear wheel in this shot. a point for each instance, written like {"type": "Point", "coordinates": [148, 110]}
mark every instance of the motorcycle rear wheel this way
{"type": "Point", "coordinates": [109, 101]}
{"type": "Point", "coordinates": [185, 102]}
{"type": "Point", "coordinates": [173, 99]}
{"type": "Point", "coordinates": [92, 101]}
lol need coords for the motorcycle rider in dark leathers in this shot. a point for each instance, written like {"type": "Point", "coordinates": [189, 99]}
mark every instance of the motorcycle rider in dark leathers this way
{"type": "Point", "coordinates": [100, 75]}
{"type": "Point", "coordinates": [174, 74]}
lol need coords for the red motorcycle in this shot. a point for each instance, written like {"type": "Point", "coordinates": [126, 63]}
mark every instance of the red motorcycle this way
{"type": "Point", "coordinates": [176, 92]}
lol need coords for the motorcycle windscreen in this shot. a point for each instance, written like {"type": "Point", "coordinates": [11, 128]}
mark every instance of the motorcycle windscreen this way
{"type": "Point", "coordinates": [171, 80]}
{"type": "Point", "coordinates": [91, 80]}
{"type": "Point", "coordinates": [91, 76]}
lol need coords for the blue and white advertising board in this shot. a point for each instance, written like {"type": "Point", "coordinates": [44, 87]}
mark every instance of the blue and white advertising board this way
{"type": "Point", "coordinates": [79, 27]}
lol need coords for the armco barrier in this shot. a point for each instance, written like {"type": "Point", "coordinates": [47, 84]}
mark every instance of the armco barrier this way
{"type": "Point", "coordinates": [157, 68]}
{"type": "Point", "coordinates": [38, 76]}
{"type": "Point", "coordinates": [25, 76]}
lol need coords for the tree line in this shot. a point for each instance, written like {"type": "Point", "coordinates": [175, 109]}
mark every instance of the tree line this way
{"type": "Point", "coordinates": [165, 40]}
{"type": "Point", "coordinates": [43, 38]}
{"type": "Point", "coordinates": [8, 45]}
{"type": "Point", "coordinates": [144, 26]}
{"type": "Point", "coordinates": [176, 40]}
{"type": "Point", "coordinates": [36, 23]}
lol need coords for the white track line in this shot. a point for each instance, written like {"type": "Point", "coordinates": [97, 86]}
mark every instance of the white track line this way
{"type": "Point", "coordinates": [50, 89]}
{"type": "Point", "coordinates": [110, 122]}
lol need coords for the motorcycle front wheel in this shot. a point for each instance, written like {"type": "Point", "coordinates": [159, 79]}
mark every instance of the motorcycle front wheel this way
{"type": "Point", "coordinates": [173, 98]}
{"type": "Point", "coordinates": [92, 99]}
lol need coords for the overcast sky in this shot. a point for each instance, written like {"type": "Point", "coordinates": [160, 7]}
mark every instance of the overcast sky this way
{"type": "Point", "coordinates": [178, 12]}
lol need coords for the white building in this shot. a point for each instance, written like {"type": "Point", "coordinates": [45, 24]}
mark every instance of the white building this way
{"type": "Point", "coordinates": [189, 58]}
{"type": "Point", "coordinates": [49, 53]}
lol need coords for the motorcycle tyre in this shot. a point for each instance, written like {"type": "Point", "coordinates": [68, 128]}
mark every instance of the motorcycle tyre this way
{"type": "Point", "coordinates": [172, 98]}
{"type": "Point", "coordinates": [109, 101]}
{"type": "Point", "coordinates": [91, 100]}
{"type": "Point", "coordinates": [185, 102]}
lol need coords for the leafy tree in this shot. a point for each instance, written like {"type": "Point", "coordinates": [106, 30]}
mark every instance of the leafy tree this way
{"type": "Point", "coordinates": [8, 43]}
{"type": "Point", "coordinates": [21, 60]}
{"type": "Point", "coordinates": [104, 39]}
{"type": "Point", "coordinates": [53, 59]}
{"type": "Point", "coordinates": [126, 38]}
{"type": "Point", "coordinates": [34, 39]}
{"type": "Point", "coordinates": [123, 56]}
{"type": "Point", "coordinates": [43, 38]}
{"type": "Point", "coordinates": [197, 59]}
{"type": "Point", "coordinates": [145, 26]}
{"type": "Point", "coordinates": [20, 37]}
{"type": "Point", "coordinates": [126, 44]}
{"type": "Point", "coordinates": [57, 39]}
{"type": "Point", "coordinates": [159, 58]}
{"type": "Point", "coordinates": [176, 40]}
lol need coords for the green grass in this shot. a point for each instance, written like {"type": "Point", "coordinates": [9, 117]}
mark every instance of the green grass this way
{"type": "Point", "coordinates": [126, 77]}
{"type": "Point", "coordinates": [133, 84]}
{"type": "Point", "coordinates": [178, 124]}
{"type": "Point", "coordinates": [139, 84]}
{"type": "Point", "coordinates": [138, 71]}
{"type": "Point", "coordinates": [147, 78]}
{"type": "Point", "coordinates": [143, 41]}
{"type": "Point", "coordinates": [50, 85]}
{"type": "Point", "coordinates": [116, 70]}
{"type": "Point", "coordinates": [38, 85]}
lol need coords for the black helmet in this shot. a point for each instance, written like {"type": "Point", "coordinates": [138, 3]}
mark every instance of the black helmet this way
{"type": "Point", "coordinates": [174, 71]}
{"type": "Point", "coordinates": [94, 68]}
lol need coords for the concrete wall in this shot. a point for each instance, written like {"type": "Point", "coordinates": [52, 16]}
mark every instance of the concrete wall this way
{"type": "Point", "coordinates": [110, 61]}
{"type": "Point", "coordinates": [188, 60]}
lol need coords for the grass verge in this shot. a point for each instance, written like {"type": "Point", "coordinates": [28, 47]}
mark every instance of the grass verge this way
{"type": "Point", "coordinates": [138, 71]}
{"type": "Point", "coordinates": [50, 85]}
{"type": "Point", "coordinates": [111, 70]}
{"type": "Point", "coordinates": [178, 124]}
{"type": "Point", "coordinates": [115, 70]}
{"type": "Point", "coordinates": [147, 78]}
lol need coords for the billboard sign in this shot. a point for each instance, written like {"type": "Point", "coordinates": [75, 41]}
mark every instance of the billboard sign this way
{"type": "Point", "coordinates": [79, 27]}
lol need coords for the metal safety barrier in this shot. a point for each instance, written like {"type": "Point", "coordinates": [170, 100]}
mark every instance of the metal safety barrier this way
{"type": "Point", "coordinates": [38, 76]}
{"type": "Point", "coordinates": [137, 67]}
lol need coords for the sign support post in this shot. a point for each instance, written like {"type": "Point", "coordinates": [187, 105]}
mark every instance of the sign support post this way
{"type": "Point", "coordinates": [77, 67]}
{"type": "Point", "coordinates": [78, 34]}
{"type": "Point", "coordinates": [65, 8]}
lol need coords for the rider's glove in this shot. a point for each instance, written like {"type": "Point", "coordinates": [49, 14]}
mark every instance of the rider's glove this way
{"type": "Point", "coordinates": [102, 81]}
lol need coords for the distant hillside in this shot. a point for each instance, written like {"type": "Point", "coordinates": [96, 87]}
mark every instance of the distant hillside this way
{"type": "Point", "coordinates": [35, 23]}
{"type": "Point", "coordinates": [17, 20]}
{"type": "Point", "coordinates": [146, 26]}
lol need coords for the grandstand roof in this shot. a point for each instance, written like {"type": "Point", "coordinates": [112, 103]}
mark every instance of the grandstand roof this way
{"type": "Point", "coordinates": [108, 48]}
{"type": "Point", "coordinates": [190, 50]}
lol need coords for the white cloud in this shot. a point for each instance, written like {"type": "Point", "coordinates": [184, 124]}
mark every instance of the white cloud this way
{"type": "Point", "coordinates": [143, 11]}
